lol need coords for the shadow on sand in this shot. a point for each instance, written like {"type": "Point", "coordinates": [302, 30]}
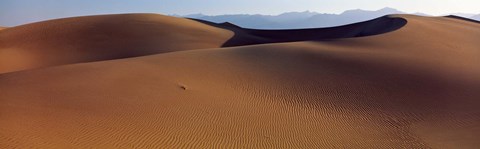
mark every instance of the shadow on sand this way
{"type": "Point", "coordinates": [245, 36]}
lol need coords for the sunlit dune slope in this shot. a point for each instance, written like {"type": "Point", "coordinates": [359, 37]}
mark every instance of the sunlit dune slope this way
{"type": "Point", "coordinates": [96, 38]}
{"type": "Point", "coordinates": [416, 87]}
{"type": "Point", "coordinates": [104, 37]}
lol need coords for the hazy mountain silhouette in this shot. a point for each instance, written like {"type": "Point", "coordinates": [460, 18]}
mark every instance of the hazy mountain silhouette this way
{"type": "Point", "coordinates": [306, 19]}
{"type": "Point", "coordinates": [285, 20]}
{"type": "Point", "coordinates": [465, 15]}
{"type": "Point", "coordinates": [476, 17]}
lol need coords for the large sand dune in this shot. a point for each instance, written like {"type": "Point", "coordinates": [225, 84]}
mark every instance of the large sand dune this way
{"type": "Point", "coordinates": [244, 36]}
{"type": "Point", "coordinates": [96, 38]}
{"type": "Point", "coordinates": [104, 37]}
{"type": "Point", "coordinates": [415, 87]}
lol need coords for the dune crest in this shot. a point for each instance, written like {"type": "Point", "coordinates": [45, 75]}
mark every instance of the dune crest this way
{"type": "Point", "coordinates": [106, 37]}
{"type": "Point", "coordinates": [244, 36]}
{"type": "Point", "coordinates": [462, 18]}
{"type": "Point", "coordinates": [416, 87]}
{"type": "Point", "coordinates": [103, 37]}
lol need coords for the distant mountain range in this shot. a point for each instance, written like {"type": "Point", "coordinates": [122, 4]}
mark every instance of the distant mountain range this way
{"type": "Point", "coordinates": [306, 19]}
{"type": "Point", "coordinates": [476, 17]}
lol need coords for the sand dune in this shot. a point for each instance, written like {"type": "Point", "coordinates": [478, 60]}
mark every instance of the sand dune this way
{"type": "Point", "coordinates": [416, 87]}
{"type": "Point", "coordinates": [462, 18]}
{"type": "Point", "coordinates": [245, 36]}
{"type": "Point", "coordinates": [94, 38]}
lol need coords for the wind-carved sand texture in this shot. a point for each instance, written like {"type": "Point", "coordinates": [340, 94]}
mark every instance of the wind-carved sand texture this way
{"type": "Point", "coordinates": [413, 83]}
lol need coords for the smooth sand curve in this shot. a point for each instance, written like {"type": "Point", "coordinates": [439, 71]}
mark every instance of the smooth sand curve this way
{"type": "Point", "coordinates": [245, 36]}
{"type": "Point", "coordinates": [103, 37]}
{"type": "Point", "coordinates": [416, 87]}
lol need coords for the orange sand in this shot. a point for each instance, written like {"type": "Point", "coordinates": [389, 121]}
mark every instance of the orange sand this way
{"type": "Point", "coordinates": [414, 87]}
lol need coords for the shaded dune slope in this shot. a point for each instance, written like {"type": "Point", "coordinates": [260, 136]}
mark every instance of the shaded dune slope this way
{"type": "Point", "coordinates": [417, 87]}
{"type": "Point", "coordinates": [462, 18]}
{"type": "Point", "coordinates": [244, 36]}
{"type": "Point", "coordinates": [104, 37]}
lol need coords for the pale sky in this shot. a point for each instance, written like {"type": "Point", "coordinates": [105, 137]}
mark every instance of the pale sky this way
{"type": "Point", "coordinates": [16, 12]}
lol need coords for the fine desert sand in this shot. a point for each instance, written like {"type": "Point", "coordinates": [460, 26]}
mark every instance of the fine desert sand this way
{"type": "Point", "coordinates": [104, 37]}
{"type": "Point", "coordinates": [152, 81]}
